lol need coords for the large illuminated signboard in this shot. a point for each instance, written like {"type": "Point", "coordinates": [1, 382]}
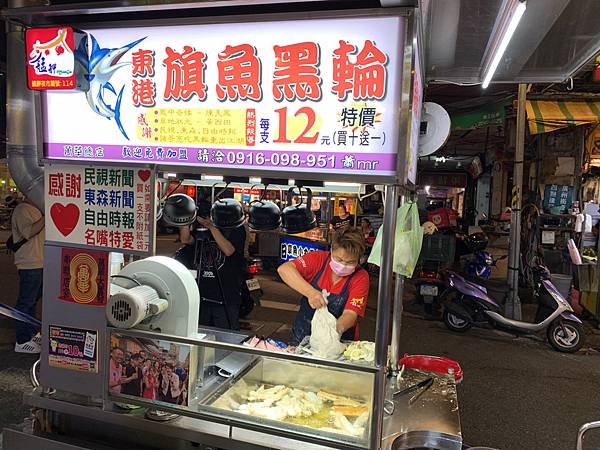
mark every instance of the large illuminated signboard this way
{"type": "Point", "coordinates": [281, 96]}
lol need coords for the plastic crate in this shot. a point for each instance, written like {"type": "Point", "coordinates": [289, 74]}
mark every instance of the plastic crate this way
{"type": "Point", "coordinates": [438, 247]}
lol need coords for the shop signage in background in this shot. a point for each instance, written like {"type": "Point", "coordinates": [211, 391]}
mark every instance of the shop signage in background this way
{"type": "Point", "coordinates": [50, 58]}
{"type": "Point", "coordinates": [84, 276]}
{"type": "Point", "coordinates": [73, 349]}
{"type": "Point", "coordinates": [292, 248]}
{"type": "Point", "coordinates": [435, 179]}
{"type": "Point", "coordinates": [484, 116]}
{"type": "Point", "coordinates": [320, 95]}
{"type": "Point", "coordinates": [246, 191]}
{"type": "Point", "coordinates": [557, 198]}
{"type": "Point", "coordinates": [111, 208]}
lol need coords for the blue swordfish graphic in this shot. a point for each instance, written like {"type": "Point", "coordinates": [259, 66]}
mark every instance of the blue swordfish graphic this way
{"type": "Point", "coordinates": [99, 68]}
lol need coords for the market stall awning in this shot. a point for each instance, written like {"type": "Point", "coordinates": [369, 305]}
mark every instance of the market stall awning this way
{"type": "Point", "coordinates": [544, 116]}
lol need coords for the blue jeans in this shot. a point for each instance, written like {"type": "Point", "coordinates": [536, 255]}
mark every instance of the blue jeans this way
{"type": "Point", "coordinates": [30, 290]}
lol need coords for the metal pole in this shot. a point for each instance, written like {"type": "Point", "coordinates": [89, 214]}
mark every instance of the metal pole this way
{"type": "Point", "coordinates": [397, 323]}
{"type": "Point", "coordinates": [513, 305]}
{"type": "Point", "coordinates": [397, 319]}
{"type": "Point", "coordinates": [583, 430]}
{"type": "Point", "coordinates": [383, 312]}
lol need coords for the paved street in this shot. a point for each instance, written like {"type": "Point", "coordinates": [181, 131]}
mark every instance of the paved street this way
{"type": "Point", "coordinates": [517, 393]}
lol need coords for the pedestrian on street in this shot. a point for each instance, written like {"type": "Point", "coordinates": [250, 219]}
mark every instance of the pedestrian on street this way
{"type": "Point", "coordinates": [27, 224]}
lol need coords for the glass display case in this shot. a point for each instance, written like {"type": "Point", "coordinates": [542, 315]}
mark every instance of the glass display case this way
{"type": "Point", "coordinates": [216, 377]}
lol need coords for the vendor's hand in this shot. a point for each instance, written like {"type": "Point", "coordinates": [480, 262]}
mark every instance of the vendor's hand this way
{"type": "Point", "coordinates": [316, 300]}
{"type": "Point", "coordinates": [205, 222]}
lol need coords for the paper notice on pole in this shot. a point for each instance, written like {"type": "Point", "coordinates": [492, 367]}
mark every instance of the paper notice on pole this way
{"type": "Point", "coordinates": [548, 237]}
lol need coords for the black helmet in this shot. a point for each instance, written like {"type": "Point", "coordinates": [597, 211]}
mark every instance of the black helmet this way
{"type": "Point", "coordinates": [227, 213]}
{"type": "Point", "coordinates": [264, 215]}
{"type": "Point", "coordinates": [476, 241]}
{"type": "Point", "coordinates": [298, 218]}
{"type": "Point", "coordinates": [179, 210]}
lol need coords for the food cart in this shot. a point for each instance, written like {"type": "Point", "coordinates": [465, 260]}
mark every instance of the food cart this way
{"type": "Point", "coordinates": [159, 97]}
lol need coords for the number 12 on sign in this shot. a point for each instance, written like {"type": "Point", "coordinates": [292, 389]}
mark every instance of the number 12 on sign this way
{"type": "Point", "coordinates": [304, 137]}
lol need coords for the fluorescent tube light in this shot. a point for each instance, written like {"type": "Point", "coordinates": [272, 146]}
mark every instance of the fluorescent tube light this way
{"type": "Point", "coordinates": [339, 183]}
{"type": "Point", "coordinates": [213, 177]}
{"type": "Point", "coordinates": [171, 175]}
{"type": "Point", "coordinates": [255, 180]}
{"type": "Point", "coordinates": [518, 9]}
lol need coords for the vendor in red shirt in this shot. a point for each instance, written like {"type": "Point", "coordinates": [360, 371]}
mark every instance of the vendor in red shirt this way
{"type": "Point", "coordinates": [339, 274]}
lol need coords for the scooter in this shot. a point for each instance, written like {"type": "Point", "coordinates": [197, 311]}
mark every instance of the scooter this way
{"type": "Point", "coordinates": [467, 303]}
{"type": "Point", "coordinates": [481, 262]}
{"type": "Point", "coordinates": [429, 284]}
{"type": "Point", "coordinates": [251, 290]}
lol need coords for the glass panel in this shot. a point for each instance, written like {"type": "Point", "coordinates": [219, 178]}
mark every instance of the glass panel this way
{"type": "Point", "coordinates": [299, 397]}
{"type": "Point", "coordinates": [291, 398]}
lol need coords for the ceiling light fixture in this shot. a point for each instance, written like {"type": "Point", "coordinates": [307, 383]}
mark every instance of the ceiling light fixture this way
{"type": "Point", "coordinates": [508, 19]}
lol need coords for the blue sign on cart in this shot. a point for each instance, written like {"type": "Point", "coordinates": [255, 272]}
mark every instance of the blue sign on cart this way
{"type": "Point", "coordinates": [292, 248]}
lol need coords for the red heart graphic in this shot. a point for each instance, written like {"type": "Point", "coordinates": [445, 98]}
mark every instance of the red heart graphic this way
{"type": "Point", "coordinates": [65, 218]}
{"type": "Point", "coordinates": [144, 174]}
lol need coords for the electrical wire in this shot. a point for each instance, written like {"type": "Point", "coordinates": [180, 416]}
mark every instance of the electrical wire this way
{"type": "Point", "coordinates": [456, 83]}
{"type": "Point", "coordinates": [127, 278]}
{"type": "Point", "coordinates": [166, 197]}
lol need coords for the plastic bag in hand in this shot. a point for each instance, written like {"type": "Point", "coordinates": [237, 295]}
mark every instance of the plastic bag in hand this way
{"type": "Point", "coordinates": [324, 337]}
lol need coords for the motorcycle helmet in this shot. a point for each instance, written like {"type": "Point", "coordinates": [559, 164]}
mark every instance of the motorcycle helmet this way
{"type": "Point", "coordinates": [179, 210]}
{"type": "Point", "coordinates": [298, 218]}
{"type": "Point", "coordinates": [476, 242]}
{"type": "Point", "coordinates": [227, 213]}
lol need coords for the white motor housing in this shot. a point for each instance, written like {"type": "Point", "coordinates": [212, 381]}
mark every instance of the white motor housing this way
{"type": "Point", "coordinates": [128, 307]}
{"type": "Point", "coordinates": [166, 298]}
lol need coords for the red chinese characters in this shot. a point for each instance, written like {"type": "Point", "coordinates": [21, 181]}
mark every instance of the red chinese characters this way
{"type": "Point", "coordinates": [185, 74]}
{"type": "Point", "coordinates": [365, 78]}
{"type": "Point", "coordinates": [143, 89]}
{"type": "Point", "coordinates": [143, 63]}
{"type": "Point", "coordinates": [239, 73]}
{"type": "Point", "coordinates": [73, 185]}
{"type": "Point", "coordinates": [296, 72]}
{"type": "Point", "coordinates": [56, 182]}
{"type": "Point", "coordinates": [358, 73]}
{"type": "Point", "coordinates": [143, 92]}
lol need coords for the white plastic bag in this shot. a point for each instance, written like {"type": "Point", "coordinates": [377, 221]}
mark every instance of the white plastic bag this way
{"type": "Point", "coordinates": [324, 337]}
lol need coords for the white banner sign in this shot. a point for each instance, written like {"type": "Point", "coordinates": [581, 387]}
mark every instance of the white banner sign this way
{"type": "Point", "coordinates": [299, 95]}
{"type": "Point", "coordinates": [107, 207]}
